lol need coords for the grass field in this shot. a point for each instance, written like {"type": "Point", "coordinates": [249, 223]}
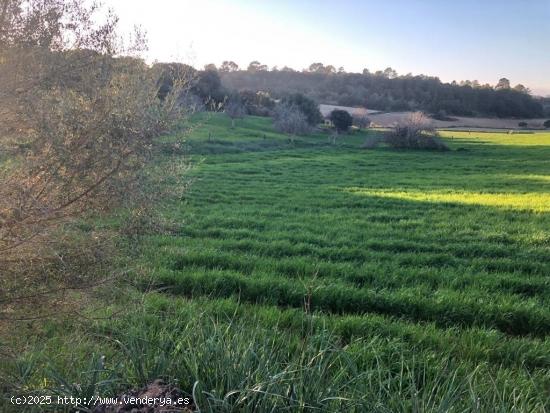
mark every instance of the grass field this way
{"type": "Point", "coordinates": [310, 276]}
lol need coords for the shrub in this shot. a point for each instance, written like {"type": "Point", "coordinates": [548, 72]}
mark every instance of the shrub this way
{"type": "Point", "coordinates": [547, 124]}
{"type": "Point", "coordinates": [522, 124]}
{"type": "Point", "coordinates": [415, 132]}
{"type": "Point", "coordinates": [291, 120]}
{"type": "Point", "coordinates": [341, 119]}
{"type": "Point", "coordinates": [307, 106]}
{"type": "Point", "coordinates": [257, 103]}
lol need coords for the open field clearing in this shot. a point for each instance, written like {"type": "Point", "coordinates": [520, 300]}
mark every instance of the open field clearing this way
{"type": "Point", "coordinates": [433, 249]}
{"type": "Point", "coordinates": [461, 122]}
{"type": "Point", "coordinates": [388, 119]}
{"type": "Point", "coordinates": [326, 109]}
{"type": "Point", "coordinates": [311, 276]}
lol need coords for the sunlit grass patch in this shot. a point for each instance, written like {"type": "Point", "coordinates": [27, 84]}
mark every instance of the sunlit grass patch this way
{"type": "Point", "coordinates": [500, 138]}
{"type": "Point", "coordinates": [533, 201]}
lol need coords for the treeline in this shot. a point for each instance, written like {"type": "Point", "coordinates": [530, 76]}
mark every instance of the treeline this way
{"type": "Point", "coordinates": [385, 90]}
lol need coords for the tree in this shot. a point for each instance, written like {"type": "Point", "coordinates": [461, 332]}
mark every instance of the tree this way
{"type": "Point", "coordinates": [79, 126]}
{"type": "Point", "coordinates": [208, 86]}
{"type": "Point", "coordinates": [546, 124]}
{"type": "Point", "coordinates": [321, 68]}
{"type": "Point", "coordinates": [169, 74]}
{"type": "Point", "coordinates": [235, 109]}
{"type": "Point", "coordinates": [521, 89]}
{"type": "Point", "coordinates": [256, 66]}
{"type": "Point", "coordinates": [503, 84]}
{"type": "Point", "coordinates": [257, 103]}
{"type": "Point", "coordinates": [307, 106]}
{"type": "Point", "coordinates": [210, 67]}
{"type": "Point", "coordinates": [229, 66]}
{"type": "Point", "coordinates": [289, 119]}
{"type": "Point", "coordinates": [522, 124]}
{"type": "Point", "coordinates": [414, 132]}
{"type": "Point", "coordinates": [341, 120]}
{"type": "Point", "coordinates": [360, 118]}
{"type": "Point", "coordinates": [317, 68]}
{"type": "Point", "coordinates": [390, 73]}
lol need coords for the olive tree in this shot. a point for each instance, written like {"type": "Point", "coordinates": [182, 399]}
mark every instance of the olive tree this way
{"type": "Point", "coordinates": [79, 114]}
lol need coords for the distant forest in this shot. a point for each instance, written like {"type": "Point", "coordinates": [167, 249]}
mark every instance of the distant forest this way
{"type": "Point", "coordinates": [383, 90]}
{"type": "Point", "coordinates": [386, 90]}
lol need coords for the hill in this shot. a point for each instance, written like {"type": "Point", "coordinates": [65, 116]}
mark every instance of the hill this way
{"type": "Point", "coordinates": [401, 93]}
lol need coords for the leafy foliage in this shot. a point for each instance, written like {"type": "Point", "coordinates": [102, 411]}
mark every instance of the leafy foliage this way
{"type": "Point", "coordinates": [257, 103]}
{"type": "Point", "coordinates": [78, 126]}
{"type": "Point", "coordinates": [341, 120]}
{"type": "Point", "coordinates": [305, 105]}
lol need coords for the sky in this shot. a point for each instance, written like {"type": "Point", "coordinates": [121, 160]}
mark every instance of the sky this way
{"type": "Point", "coordinates": [452, 39]}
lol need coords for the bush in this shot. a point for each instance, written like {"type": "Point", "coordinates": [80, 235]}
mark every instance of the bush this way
{"type": "Point", "coordinates": [415, 132]}
{"type": "Point", "coordinates": [522, 124]}
{"type": "Point", "coordinates": [547, 124]}
{"type": "Point", "coordinates": [257, 103]}
{"type": "Point", "coordinates": [307, 106]}
{"type": "Point", "coordinates": [291, 120]}
{"type": "Point", "coordinates": [341, 119]}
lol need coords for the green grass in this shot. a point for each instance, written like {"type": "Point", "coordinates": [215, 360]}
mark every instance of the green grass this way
{"type": "Point", "coordinates": [312, 276]}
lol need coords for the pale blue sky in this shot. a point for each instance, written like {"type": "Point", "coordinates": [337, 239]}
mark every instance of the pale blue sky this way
{"type": "Point", "coordinates": [455, 40]}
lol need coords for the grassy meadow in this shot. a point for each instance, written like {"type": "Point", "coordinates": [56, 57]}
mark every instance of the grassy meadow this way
{"type": "Point", "coordinates": [308, 276]}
